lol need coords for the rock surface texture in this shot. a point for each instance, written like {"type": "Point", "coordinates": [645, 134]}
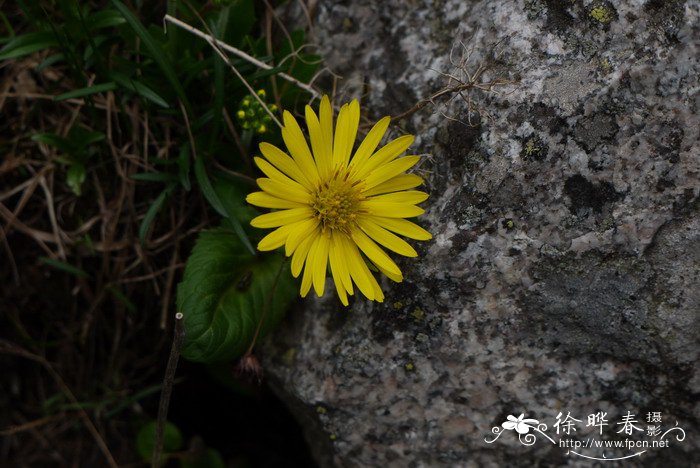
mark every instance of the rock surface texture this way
{"type": "Point", "coordinates": [564, 273]}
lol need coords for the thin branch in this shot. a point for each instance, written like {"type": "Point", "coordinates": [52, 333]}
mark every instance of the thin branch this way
{"type": "Point", "coordinates": [238, 53]}
{"type": "Point", "coordinates": [168, 381]}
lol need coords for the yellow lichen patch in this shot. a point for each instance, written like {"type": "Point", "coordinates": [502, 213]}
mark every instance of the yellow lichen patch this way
{"type": "Point", "coordinates": [531, 147]}
{"type": "Point", "coordinates": [418, 314]}
{"type": "Point", "coordinates": [602, 14]}
{"type": "Point", "coordinates": [289, 356]}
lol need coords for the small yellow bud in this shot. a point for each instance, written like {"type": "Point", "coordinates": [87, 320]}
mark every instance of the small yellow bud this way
{"type": "Point", "coordinates": [261, 93]}
{"type": "Point", "coordinates": [240, 114]}
{"type": "Point", "coordinates": [262, 128]}
{"type": "Point", "coordinates": [273, 108]}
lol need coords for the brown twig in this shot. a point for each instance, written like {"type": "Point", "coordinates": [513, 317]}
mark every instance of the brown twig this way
{"type": "Point", "coordinates": [217, 44]}
{"type": "Point", "coordinates": [29, 425]}
{"type": "Point", "coordinates": [168, 380]}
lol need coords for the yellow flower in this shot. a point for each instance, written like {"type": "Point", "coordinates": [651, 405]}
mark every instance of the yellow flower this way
{"type": "Point", "coordinates": [334, 208]}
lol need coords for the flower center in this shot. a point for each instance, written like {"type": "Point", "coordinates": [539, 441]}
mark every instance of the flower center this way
{"type": "Point", "coordinates": [336, 203]}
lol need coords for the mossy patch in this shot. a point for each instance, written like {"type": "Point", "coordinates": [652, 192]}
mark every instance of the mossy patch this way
{"type": "Point", "coordinates": [603, 13]}
{"type": "Point", "coordinates": [534, 148]}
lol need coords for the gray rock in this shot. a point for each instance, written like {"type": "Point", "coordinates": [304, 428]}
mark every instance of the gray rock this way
{"type": "Point", "coordinates": [564, 274]}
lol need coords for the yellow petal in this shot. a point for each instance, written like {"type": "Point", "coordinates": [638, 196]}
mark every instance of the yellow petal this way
{"type": "Point", "coordinates": [265, 200]}
{"type": "Point", "coordinates": [403, 227]}
{"type": "Point", "coordinates": [409, 197]}
{"type": "Point", "coordinates": [338, 262]}
{"type": "Point", "coordinates": [271, 171]}
{"type": "Point", "coordinates": [374, 252]}
{"type": "Point", "coordinates": [393, 277]}
{"type": "Point", "coordinates": [325, 117]}
{"type": "Point", "coordinates": [319, 147]}
{"type": "Point", "coordinates": [358, 269]}
{"type": "Point", "coordinates": [296, 144]}
{"type": "Point", "coordinates": [400, 182]}
{"type": "Point", "coordinates": [307, 277]}
{"type": "Point", "coordinates": [303, 230]}
{"type": "Point", "coordinates": [276, 238]}
{"type": "Point", "coordinates": [320, 263]}
{"type": "Point", "coordinates": [386, 238]}
{"type": "Point", "coordinates": [280, 218]}
{"type": "Point", "coordinates": [345, 133]}
{"type": "Point", "coordinates": [285, 164]}
{"type": "Point", "coordinates": [300, 255]}
{"type": "Point", "coordinates": [339, 288]}
{"type": "Point", "coordinates": [389, 170]}
{"type": "Point", "coordinates": [378, 294]}
{"type": "Point", "coordinates": [285, 191]}
{"type": "Point", "coordinates": [387, 153]}
{"type": "Point", "coordinates": [390, 210]}
{"type": "Point", "coordinates": [369, 144]}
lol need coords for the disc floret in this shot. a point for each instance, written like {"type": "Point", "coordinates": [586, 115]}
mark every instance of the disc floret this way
{"type": "Point", "coordinates": [336, 203]}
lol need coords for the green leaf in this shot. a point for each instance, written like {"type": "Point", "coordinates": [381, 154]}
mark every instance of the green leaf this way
{"type": "Point", "coordinates": [8, 27]}
{"type": "Point", "coordinates": [155, 50]}
{"type": "Point", "coordinates": [226, 292]}
{"type": "Point", "coordinates": [87, 91]}
{"type": "Point", "coordinates": [81, 137]}
{"type": "Point", "coordinates": [126, 402]}
{"type": "Point", "coordinates": [205, 458]}
{"type": "Point", "coordinates": [56, 141]}
{"type": "Point", "coordinates": [63, 266]}
{"type": "Point", "coordinates": [139, 88]}
{"type": "Point", "coordinates": [265, 73]}
{"type": "Point", "coordinates": [183, 163]}
{"type": "Point", "coordinates": [214, 200]}
{"type": "Point", "coordinates": [219, 72]}
{"type": "Point", "coordinates": [146, 439]}
{"type": "Point", "coordinates": [152, 212]}
{"type": "Point", "coordinates": [50, 60]}
{"type": "Point", "coordinates": [153, 177]}
{"type": "Point", "coordinates": [104, 19]}
{"type": "Point", "coordinates": [75, 177]}
{"type": "Point", "coordinates": [232, 194]}
{"type": "Point", "coordinates": [27, 44]}
{"type": "Point", "coordinates": [241, 21]}
{"type": "Point", "coordinates": [95, 43]}
{"type": "Point", "coordinates": [121, 297]}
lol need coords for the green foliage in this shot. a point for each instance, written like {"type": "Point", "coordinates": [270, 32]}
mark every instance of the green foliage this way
{"type": "Point", "coordinates": [173, 87]}
{"type": "Point", "coordinates": [157, 53]}
{"type": "Point", "coordinates": [200, 456]}
{"type": "Point", "coordinates": [216, 203]}
{"type": "Point", "coordinates": [146, 439]}
{"type": "Point", "coordinates": [63, 266]}
{"type": "Point", "coordinates": [197, 456]}
{"type": "Point", "coordinates": [226, 292]}
{"type": "Point", "coordinates": [75, 151]}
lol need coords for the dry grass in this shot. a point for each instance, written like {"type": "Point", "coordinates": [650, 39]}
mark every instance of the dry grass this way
{"type": "Point", "coordinates": [66, 337]}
